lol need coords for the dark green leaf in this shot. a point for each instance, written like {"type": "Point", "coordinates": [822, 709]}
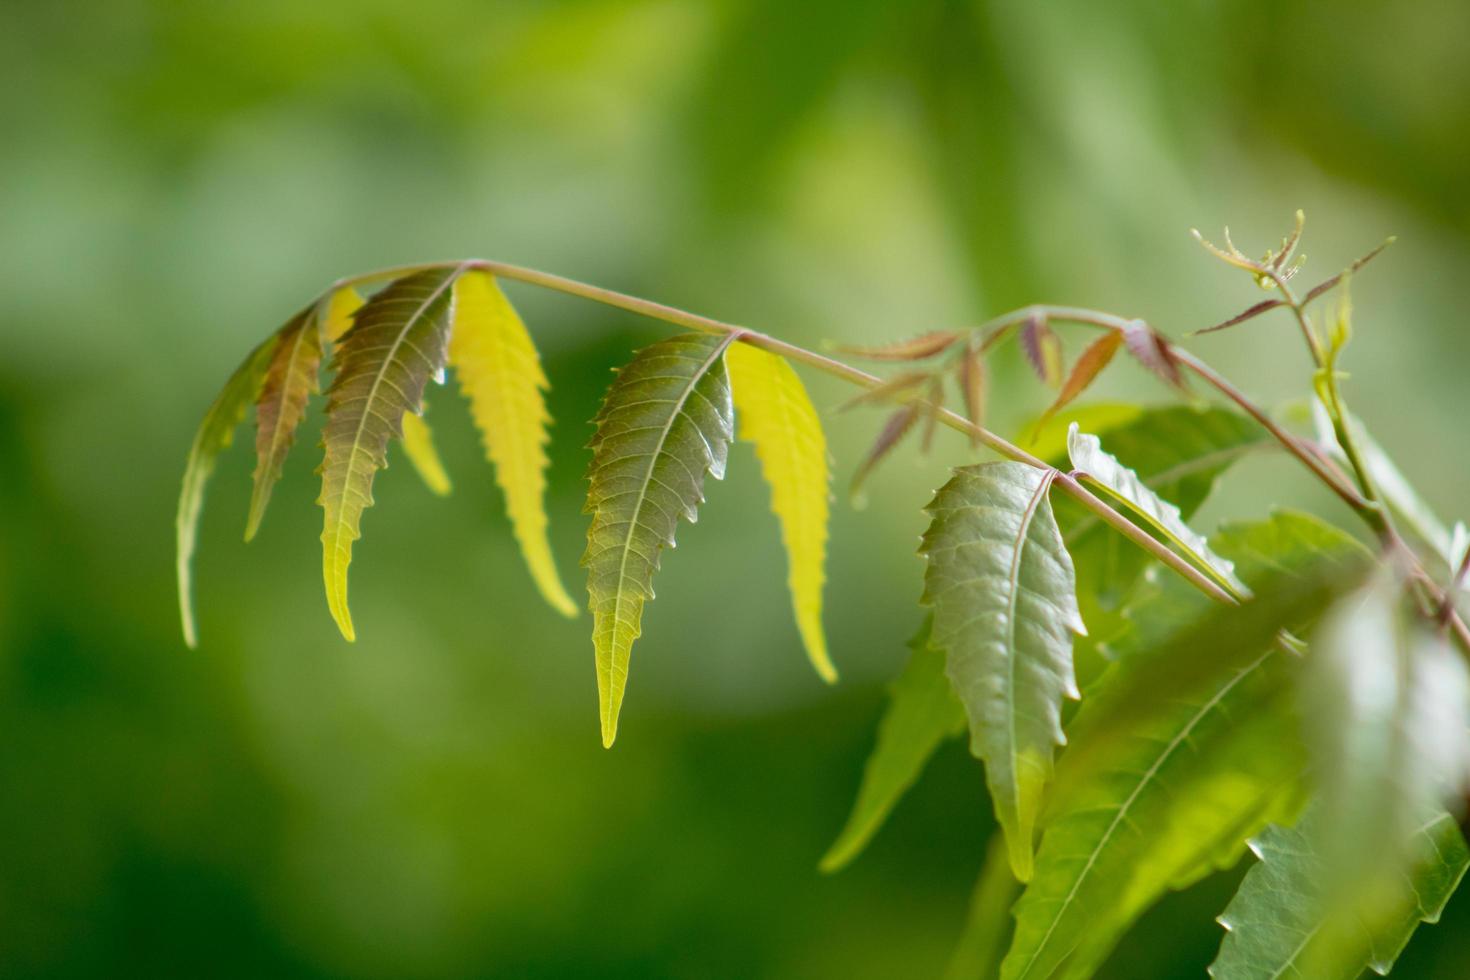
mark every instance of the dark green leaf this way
{"type": "Point", "coordinates": [1005, 608]}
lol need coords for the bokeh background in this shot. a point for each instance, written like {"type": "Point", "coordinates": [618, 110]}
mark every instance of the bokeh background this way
{"type": "Point", "coordinates": [178, 177]}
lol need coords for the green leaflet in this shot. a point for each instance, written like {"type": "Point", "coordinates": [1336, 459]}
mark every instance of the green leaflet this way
{"type": "Point", "coordinates": [922, 712]}
{"type": "Point", "coordinates": [1104, 470]}
{"type": "Point", "coordinates": [215, 434]}
{"type": "Point", "coordinates": [398, 340]}
{"type": "Point", "coordinates": [1178, 453]}
{"type": "Point", "coordinates": [1005, 608]}
{"type": "Point", "coordinates": [1387, 704]}
{"type": "Point", "coordinates": [290, 379]}
{"type": "Point", "coordinates": [667, 419]}
{"type": "Point", "coordinates": [1277, 924]}
{"type": "Point", "coordinates": [1188, 746]}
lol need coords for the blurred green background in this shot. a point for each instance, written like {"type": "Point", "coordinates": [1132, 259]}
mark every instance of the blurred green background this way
{"type": "Point", "coordinates": [178, 177]}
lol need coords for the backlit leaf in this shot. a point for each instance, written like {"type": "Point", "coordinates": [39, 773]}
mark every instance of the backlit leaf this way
{"type": "Point", "coordinates": [1102, 469]}
{"type": "Point", "coordinates": [1387, 703]}
{"type": "Point", "coordinates": [1279, 924]}
{"type": "Point", "coordinates": [895, 428]}
{"type": "Point", "coordinates": [1089, 365]}
{"type": "Point", "coordinates": [1043, 350]}
{"type": "Point", "coordinates": [1166, 776]}
{"type": "Point", "coordinates": [777, 417]}
{"type": "Point", "coordinates": [1150, 350]}
{"type": "Point", "coordinates": [398, 341]}
{"type": "Point", "coordinates": [289, 380]}
{"type": "Point", "coordinates": [666, 420]}
{"type": "Point", "coordinates": [1005, 607]}
{"type": "Point", "coordinates": [922, 712]}
{"type": "Point", "coordinates": [911, 349]}
{"type": "Point", "coordinates": [500, 373]}
{"type": "Point", "coordinates": [418, 446]}
{"type": "Point", "coordinates": [215, 434]}
{"type": "Point", "coordinates": [1178, 452]}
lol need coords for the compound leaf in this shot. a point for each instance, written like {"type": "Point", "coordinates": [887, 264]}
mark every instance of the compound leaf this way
{"type": "Point", "coordinates": [1005, 607]}
{"type": "Point", "coordinates": [667, 419]}
{"type": "Point", "coordinates": [922, 712]}
{"type": "Point", "coordinates": [418, 446]}
{"type": "Point", "coordinates": [1119, 481]}
{"type": "Point", "coordinates": [214, 436]}
{"type": "Point", "coordinates": [500, 373]}
{"type": "Point", "coordinates": [1278, 924]}
{"type": "Point", "coordinates": [398, 340]}
{"type": "Point", "coordinates": [1171, 768]}
{"type": "Point", "coordinates": [777, 416]}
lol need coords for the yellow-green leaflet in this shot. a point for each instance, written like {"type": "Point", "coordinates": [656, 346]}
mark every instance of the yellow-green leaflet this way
{"type": "Point", "coordinates": [290, 379]}
{"type": "Point", "coordinates": [418, 446]}
{"type": "Point", "coordinates": [666, 421]}
{"type": "Point", "coordinates": [214, 436]}
{"type": "Point", "coordinates": [398, 340]}
{"type": "Point", "coordinates": [776, 415]}
{"type": "Point", "coordinates": [500, 373]}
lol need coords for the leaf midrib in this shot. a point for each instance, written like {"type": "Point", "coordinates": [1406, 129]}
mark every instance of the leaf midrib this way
{"type": "Point", "coordinates": [1127, 804]}
{"type": "Point", "coordinates": [1013, 596]}
{"type": "Point", "coordinates": [653, 456]}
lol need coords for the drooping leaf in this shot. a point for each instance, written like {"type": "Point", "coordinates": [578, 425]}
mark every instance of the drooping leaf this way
{"type": "Point", "coordinates": [1105, 471]}
{"type": "Point", "coordinates": [1178, 452]}
{"type": "Point", "coordinates": [215, 434]}
{"type": "Point", "coordinates": [418, 446]}
{"type": "Point", "coordinates": [922, 712]}
{"type": "Point", "coordinates": [666, 421]}
{"type": "Point", "coordinates": [1187, 746]}
{"type": "Point", "coordinates": [1387, 704]}
{"type": "Point", "coordinates": [973, 382]}
{"type": "Point", "coordinates": [1280, 923]}
{"type": "Point", "coordinates": [289, 380]}
{"type": "Point", "coordinates": [1043, 350]}
{"type": "Point", "coordinates": [500, 373]}
{"type": "Point", "coordinates": [897, 389]}
{"type": "Point", "coordinates": [982, 946]}
{"type": "Point", "coordinates": [778, 418]}
{"type": "Point", "coordinates": [1150, 350]}
{"type": "Point", "coordinates": [1005, 607]}
{"type": "Point", "coordinates": [398, 340]}
{"type": "Point", "coordinates": [1089, 365]}
{"type": "Point", "coordinates": [898, 425]}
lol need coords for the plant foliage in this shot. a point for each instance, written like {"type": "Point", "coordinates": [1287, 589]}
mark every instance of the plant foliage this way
{"type": "Point", "coordinates": [1277, 686]}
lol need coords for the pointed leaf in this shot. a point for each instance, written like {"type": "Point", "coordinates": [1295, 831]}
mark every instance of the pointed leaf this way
{"type": "Point", "coordinates": [1277, 924]}
{"type": "Point", "coordinates": [1104, 470]}
{"type": "Point", "coordinates": [1150, 350]}
{"type": "Point", "coordinates": [1005, 608]}
{"type": "Point", "coordinates": [500, 373]}
{"type": "Point", "coordinates": [778, 418]}
{"type": "Point", "coordinates": [973, 382]}
{"type": "Point", "coordinates": [1178, 452]}
{"type": "Point", "coordinates": [1089, 365]}
{"type": "Point", "coordinates": [666, 421]}
{"type": "Point", "coordinates": [1043, 350]}
{"type": "Point", "coordinates": [1185, 747]}
{"type": "Point", "coordinates": [289, 380]}
{"type": "Point", "coordinates": [898, 425]}
{"type": "Point", "coordinates": [215, 434]}
{"type": "Point", "coordinates": [922, 712]}
{"type": "Point", "coordinates": [397, 342]}
{"type": "Point", "coordinates": [418, 446]}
